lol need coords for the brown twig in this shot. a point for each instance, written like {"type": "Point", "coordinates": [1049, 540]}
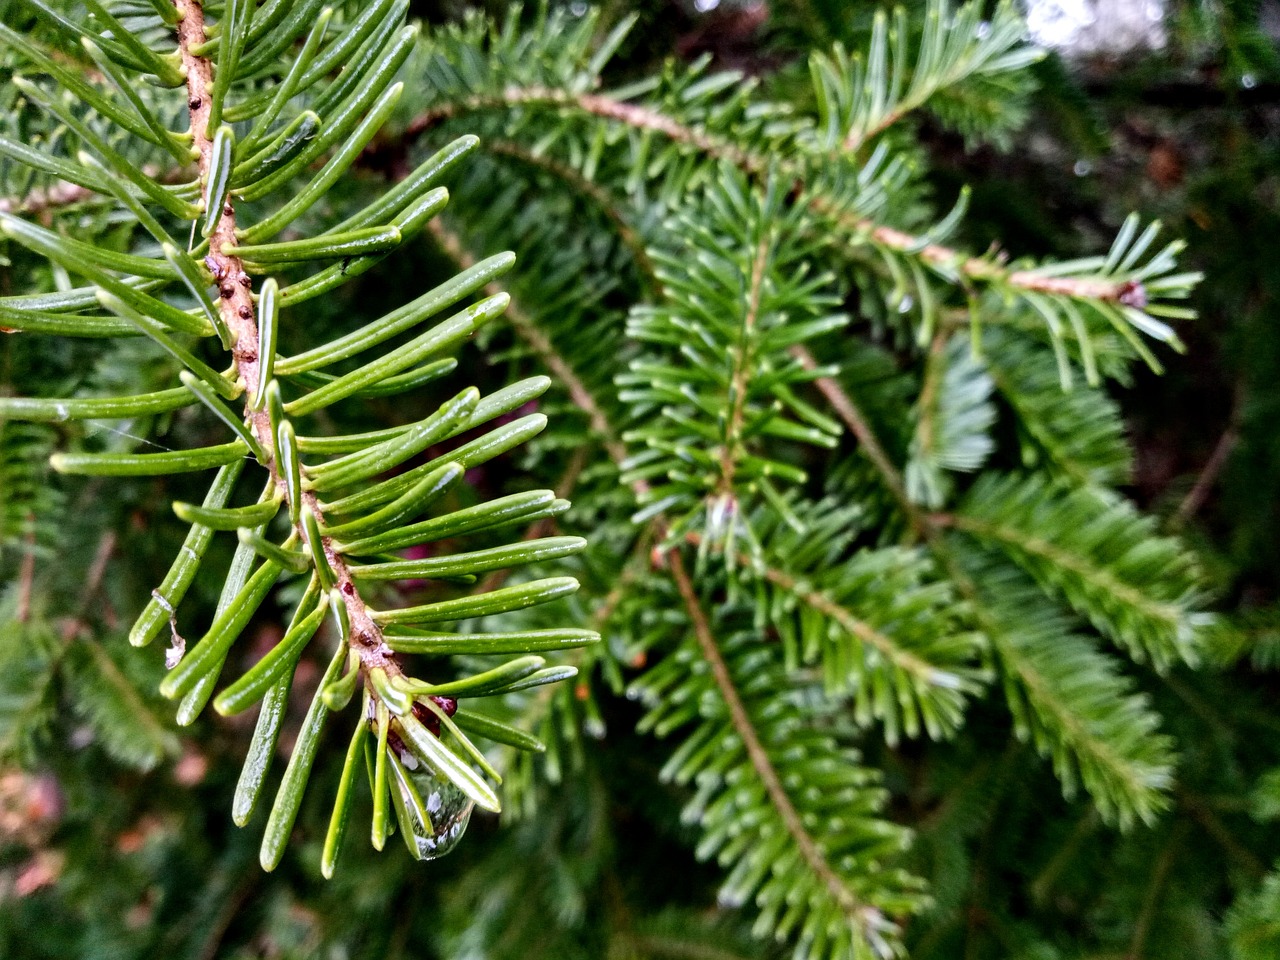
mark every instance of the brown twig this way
{"type": "Point", "coordinates": [73, 626]}
{"type": "Point", "coordinates": [859, 426]}
{"type": "Point", "coordinates": [60, 194]}
{"type": "Point", "coordinates": [641, 118]}
{"type": "Point", "coordinates": [756, 753]}
{"type": "Point", "coordinates": [27, 574]}
{"type": "Point", "coordinates": [986, 270]}
{"type": "Point", "coordinates": [741, 375]}
{"type": "Point", "coordinates": [1155, 889]}
{"type": "Point", "coordinates": [980, 269]}
{"type": "Point", "coordinates": [540, 528]}
{"type": "Point", "coordinates": [739, 717]}
{"type": "Point", "coordinates": [1213, 467]}
{"type": "Point", "coordinates": [63, 194]}
{"type": "Point", "coordinates": [593, 192]}
{"type": "Point", "coordinates": [235, 304]}
{"type": "Point", "coordinates": [541, 344]}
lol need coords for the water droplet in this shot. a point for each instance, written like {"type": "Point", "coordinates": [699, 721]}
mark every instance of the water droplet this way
{"type": "Point", "coordinates": [1082, 168]}
{"type": "Point", "coordinates": [704, 6]}
{"type": "Point", "coordinates": [1248, 81]}
{"type": "Point", "coordinates": [81, 737]}
{"type": "Point", "coordinates": [730, 899]}
{"type": "Point", "coordinates": [906, 303]}
{"type": "Point", "coordinates": [720, 513]}
{"type": "Point", "coordinates": [983, 30]}
{"type": "Point", "coordinates": [448, 808]}
{"type": "Point", "coordinates": [578, 8]}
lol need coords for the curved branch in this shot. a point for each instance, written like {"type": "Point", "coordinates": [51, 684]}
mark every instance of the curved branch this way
{"type": "Point", "coordinates": [593, 192]}
{"type": "Point", "coordinates": [1099, 578]}
{"type": "Point", "coordinates": [978, 269]}
{"type": "Point", "coordinates": [60, 194]}
{"type": "Point", "coordinates": [741, 377]}
{"type": "Point", "coordinates": [645, 118]}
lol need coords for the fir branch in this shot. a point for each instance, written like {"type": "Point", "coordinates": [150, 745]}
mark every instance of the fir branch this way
{"type": "Point", "coordinates": [741, 365]}
{"type": "Point", "coordinates": [1208, 476]}
{"type": "Point", "coordinates": [236, 306]}
{"type": "Point", "coordinates": [44, 199]}
{"type": "Point", "coordinates": [127, 726]}
{"type": "Point", "coordinates": [953, 420]}
{"type": "Point", "coordinates": [924, 675]}
{"type": "Point", "coordinates": [1075, 431]}
{"type": "Point", "coordinates": [1253, 925]}
{"type": "Point", "coordinates": [1124, 776]}
{"type": "Point", "coordinates": [925, 672]}
{"type": "Point", "coordinates": [861, 428]}
{"type": "Point", "coordinates": [594, 192]}
{"type": "Point", "coordinates": [638, 117]}
{"type": "Point", "coordinates": [1099, 554]}
{"type": "Point", "coordinates": [27, 573]}
{"type": "Point", "coordinates": [861, 916]}
{"type": "Point", "coordinates": [978, 269]}
{"type": "Point", "coordinates": [1070, 699]}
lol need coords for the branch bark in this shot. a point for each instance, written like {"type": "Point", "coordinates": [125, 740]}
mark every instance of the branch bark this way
{"type": "Point", "coordinates": [756, 752]}
{"type": "Point", "coordinates": [644, 118]}
{"type": "Point", "coordinates": [236, 305]}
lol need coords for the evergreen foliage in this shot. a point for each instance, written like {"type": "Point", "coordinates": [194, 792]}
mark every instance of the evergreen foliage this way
{"type": "Point", "coordinates": [834, 479]}
{"type": "Point", "coordinates": [233, 69]}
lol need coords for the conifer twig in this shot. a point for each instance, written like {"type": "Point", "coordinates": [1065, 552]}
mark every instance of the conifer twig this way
{"type": "Point", "coordinates": [1155, 890]}
{"type": "Point", "coordinates": [60, 194]}
{"type": "Point", "coordinates": [756, 753]}
{"type": "Point", "coordinates": [742, 367]}
{"type": "Point", "coordinates": [980, 269]}
{"type": "Point", "coordinates": [540, 528]}
{"type": "Point", "coordinates": [645, 118]}
{"type": "Point", "coordinates": [593, 192]}
{"type": "Point", "coordinates": [705, 637]}
{"type": "Point", "coordinates": [76, 624]}
{"type": "Point", "coordinates": [235, 304]}
{"type": "Point", "coordinates": [27, 573]}
{"type": "Point", "coordinates": [1213, 467]}
{"type": "Point", "coordinates": [860, 427]}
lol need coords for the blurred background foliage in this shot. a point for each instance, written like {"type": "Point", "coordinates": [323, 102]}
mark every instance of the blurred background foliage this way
{"type": "Point", "coordinates": [123, 849]}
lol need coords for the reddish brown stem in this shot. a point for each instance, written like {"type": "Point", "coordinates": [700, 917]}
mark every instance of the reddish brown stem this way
{"type": "Point", "coordinates": [755, 750]}
{"type": "Point", "coordinates": [235, 304]}
{"type": "Point", "coordinates": [644, 118]}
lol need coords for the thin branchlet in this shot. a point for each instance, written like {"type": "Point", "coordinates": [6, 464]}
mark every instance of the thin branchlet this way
{"type": "Point", "coordinates": [236, 306]}
{"type": "Point", "coordinates": [541, 344]}
{"type": "Point", "coordinates": [978, 269]}
{"type": "Point", "coordinates": [857, 911]}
